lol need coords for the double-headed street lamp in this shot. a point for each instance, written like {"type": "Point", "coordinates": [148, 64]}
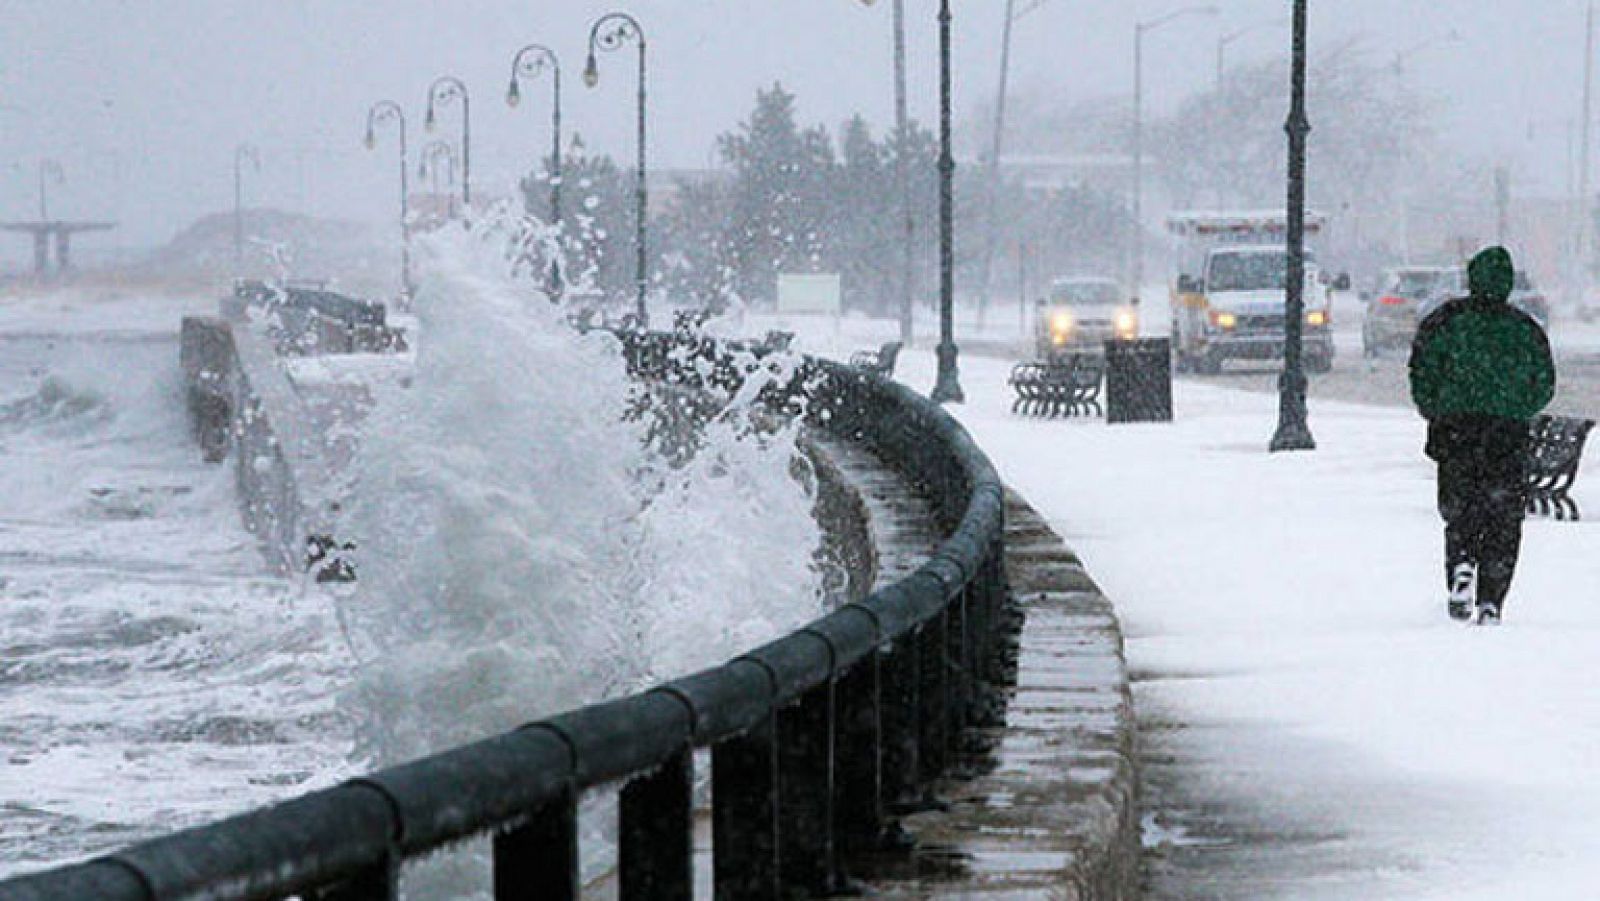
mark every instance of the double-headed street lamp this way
{"type": "Point", "coordinates": [1293, 433]}
{"type": "Point", "coordinates": [611, 32]}
{"type": "Point", "coordinates": [902, 178]}
{"type": "Point", "coordinates": [241, 154]}
{"type": "Point", "coordinates": [529, 62]}
{"type": "Point", "coordinates": [389, 111]}
{"type": "Point", "coordinates": [946, 388]}
{"type": "Point", "coordinates": [445, 90]}
{"type": "Point", "coordinates": [1139, 31]}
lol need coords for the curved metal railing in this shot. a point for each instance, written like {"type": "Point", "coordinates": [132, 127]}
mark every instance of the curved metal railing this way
{"type": "Point", "coordinates": [814, 739]}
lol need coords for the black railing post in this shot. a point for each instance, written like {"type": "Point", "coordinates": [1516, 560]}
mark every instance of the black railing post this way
{"type": "Point", "coordinates": [958, 649]}
{"type": "Point", "coordinates": [744, 816]}
{"type": "Point", "coordinates": [989, 600]}
{"type": "Point", "coordinates": [933, 724]}
{"type": "Point", "coordinates": [858, 786]}
{"type": "Point", "coordinates": [980, 618]}
{"type": "Point", "coordinates": [899, 694]}
{"type": "Point", "coordinates": [539, 857]}
{"type": "Point", "coordinates": [656, 853]}
{"type": "Point", "coordinates": [805, 792]}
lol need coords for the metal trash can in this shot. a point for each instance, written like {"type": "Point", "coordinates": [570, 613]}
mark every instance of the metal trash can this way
{"type": "Point", "coordinates": [1139, 380]}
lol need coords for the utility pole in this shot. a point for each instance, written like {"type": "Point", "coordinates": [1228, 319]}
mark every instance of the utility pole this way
{"type": "Point", "coordinates": [1581, 254]}
{"type": "Point", "coordinates": [1502, 203]}
{"type": "Point", "coordinates": [993, 180]}
{"type": "Point", "coordinates": [1022, 288]}
{"type": "Point", "coordinates": [902, 175]}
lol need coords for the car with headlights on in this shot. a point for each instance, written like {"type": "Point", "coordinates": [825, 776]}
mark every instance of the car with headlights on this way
{"type": "Point", "coordinates": [1081, 314]}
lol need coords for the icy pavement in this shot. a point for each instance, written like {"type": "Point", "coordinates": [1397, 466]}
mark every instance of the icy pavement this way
{"type": "Point", "coordinates": [153, 673]}
{"type": "Point", "coordinates": [1314, 726]}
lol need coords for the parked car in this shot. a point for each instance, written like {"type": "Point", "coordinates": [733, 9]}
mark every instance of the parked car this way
{"type": "Point", "coordinates": [1395, 309]}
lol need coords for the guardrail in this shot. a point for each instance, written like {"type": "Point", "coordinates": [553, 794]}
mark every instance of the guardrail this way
{"type": "Point", "coordinates": [240, 401]}
{"type": "Point", "coordinates": [813, 738]}
{"type": "Point", "coordinates": [306, 320]}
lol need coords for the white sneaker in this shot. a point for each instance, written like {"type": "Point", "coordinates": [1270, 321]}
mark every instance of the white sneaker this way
{"type": "Point", "coordinates": [1463, 591]}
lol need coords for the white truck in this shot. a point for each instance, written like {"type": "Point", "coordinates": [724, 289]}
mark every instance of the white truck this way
{"type": "Point", "coordinates": [1228, 298]}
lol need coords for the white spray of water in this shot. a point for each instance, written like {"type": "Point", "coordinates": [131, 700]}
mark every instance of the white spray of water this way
{"type": "Point", "coordinates": [521, 552]}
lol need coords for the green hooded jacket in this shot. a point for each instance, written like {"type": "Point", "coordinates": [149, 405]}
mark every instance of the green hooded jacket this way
{"type": "Point", "coordinates": [1480, 355]}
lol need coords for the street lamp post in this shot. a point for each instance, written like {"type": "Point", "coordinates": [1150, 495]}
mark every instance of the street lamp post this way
{"type": "Point", "coordinates": [946, 388]}
{"type": "Point", "coordinates": [445, 89]}
{"type": "Point", "coordinates": [1293, 432]}
{"type": "Point", "coordinates": [1578, 263]}
{"type": "Point", "coordinates": [1139, 30]}
{"type": "Point", "coordinates": [992, 187]}
{"type": "Point", "coordinates": [529, 62]}
{"type": "Point", "coordinates": [241, 153]}
{"type": "Point", "coordinates": [902, 177]}
{"type": "Point", "coordinates": [611, 32]}
{"type": "Point", "coordinates": [389, 111]}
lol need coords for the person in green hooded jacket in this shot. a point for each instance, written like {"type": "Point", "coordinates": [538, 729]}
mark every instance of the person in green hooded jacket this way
{"type": "Point", "coordinates": [1480, 369]}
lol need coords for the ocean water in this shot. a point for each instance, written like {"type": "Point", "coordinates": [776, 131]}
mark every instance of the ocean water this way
{"type": "Point", "coordinates": [153, 673]}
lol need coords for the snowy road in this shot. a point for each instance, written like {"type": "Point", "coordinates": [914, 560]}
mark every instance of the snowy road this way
{"type": "Point", "coordinates": [153, 672]}
{"type": "Point", "coordinates": [1313, 724]}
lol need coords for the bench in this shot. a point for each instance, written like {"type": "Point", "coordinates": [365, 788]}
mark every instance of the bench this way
{"type": "Point", "coordinates": [1555, 447]}
{"type": "Point", "coordinates": [1064, 385]}
{"type": "Point", "coordinates": [878, 362]}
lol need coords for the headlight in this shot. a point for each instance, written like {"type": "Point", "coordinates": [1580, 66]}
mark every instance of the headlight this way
{"type": "Point", "coordinates": [1126, 322]}
{"type": "Point", "coordinates": [1317, 317]}
{"type": "Point", "coordinates": [1060, 327]}
{"type": "Point", "coordinates": [1224, 320]}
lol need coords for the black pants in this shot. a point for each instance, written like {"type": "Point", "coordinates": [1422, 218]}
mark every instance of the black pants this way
{"type": "Point", "coordinates": [1482, 492]}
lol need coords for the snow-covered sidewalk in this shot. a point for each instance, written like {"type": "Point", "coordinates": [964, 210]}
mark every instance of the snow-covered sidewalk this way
{"type": "Point", "coordinates": [1286, 612]}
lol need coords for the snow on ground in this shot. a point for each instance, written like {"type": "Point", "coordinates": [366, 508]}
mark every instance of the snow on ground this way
{"type": "Point", "coordinates": [1285, 615]}
{"type": "Point", "coordinates": [153, 673]}
{"type": "Point", "coordinates": [1298, 601]}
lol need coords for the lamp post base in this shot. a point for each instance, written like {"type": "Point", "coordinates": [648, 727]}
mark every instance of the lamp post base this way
{"type": "Point", "coordinates": [947, 388]}
{"type": "Point", "coordinates": [1293, 432]}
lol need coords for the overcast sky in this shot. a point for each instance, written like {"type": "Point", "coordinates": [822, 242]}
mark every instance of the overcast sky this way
{"type": "Point", "coordinates": [143, 101]}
